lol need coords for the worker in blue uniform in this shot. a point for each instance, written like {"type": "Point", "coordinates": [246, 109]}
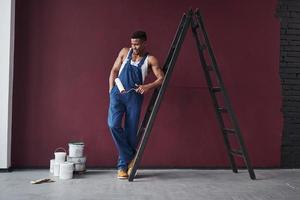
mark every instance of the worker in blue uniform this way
{"type": "Point", "coordinates": [131, 67]}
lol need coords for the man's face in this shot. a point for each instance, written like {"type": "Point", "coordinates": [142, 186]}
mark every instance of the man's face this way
{"type": "Point", "coordinates": [137, 45]}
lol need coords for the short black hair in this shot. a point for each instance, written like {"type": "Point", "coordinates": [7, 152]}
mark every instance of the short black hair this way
{"type": "Point", "coordinates": [139, 35]}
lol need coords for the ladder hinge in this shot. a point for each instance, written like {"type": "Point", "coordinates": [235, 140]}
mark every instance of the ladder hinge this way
{"type": "Point", "coordinates": [229, 130]}
{"type": "Point", "coordinates": [223, 110]}
{"type": "Point", "coordinates": [237, 152]}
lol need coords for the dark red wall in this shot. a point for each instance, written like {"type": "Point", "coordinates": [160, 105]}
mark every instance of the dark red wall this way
{"type": "Point", "coordinates": [65, 50]}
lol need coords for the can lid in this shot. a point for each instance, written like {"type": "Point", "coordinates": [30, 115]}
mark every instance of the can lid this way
{"type": "Point", "coordinates": [67, 163]}
{"type": "Point", "coordinates": [76, 143]}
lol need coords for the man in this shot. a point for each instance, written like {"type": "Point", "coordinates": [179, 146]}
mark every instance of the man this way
{"type": "Point", "coordinates": [131, 67]}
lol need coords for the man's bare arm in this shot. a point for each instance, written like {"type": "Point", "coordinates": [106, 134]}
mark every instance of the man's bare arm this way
{"type": "Point", "coordinates": [116, 67]}
{"type": "Point", "coordinates": [157, 72]}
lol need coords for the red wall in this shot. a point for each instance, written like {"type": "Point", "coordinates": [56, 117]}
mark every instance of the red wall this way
{"type": "Point", "coordinates": [65, 50]}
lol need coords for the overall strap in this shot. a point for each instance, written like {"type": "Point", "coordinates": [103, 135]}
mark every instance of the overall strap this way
{"type": "Point", "coordinates": [143, 60]}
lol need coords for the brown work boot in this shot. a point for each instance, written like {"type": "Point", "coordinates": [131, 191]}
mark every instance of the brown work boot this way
{"type": "Point", "coordinates": [122, 174]}
{"type": "Point", "coordinates": [130, 166]}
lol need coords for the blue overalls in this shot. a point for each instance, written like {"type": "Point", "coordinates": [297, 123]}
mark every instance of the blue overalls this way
{"type": "Point", "coordinates": [128, 104]}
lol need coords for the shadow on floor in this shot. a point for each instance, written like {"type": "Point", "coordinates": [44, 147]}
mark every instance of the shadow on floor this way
{"type": "Point", "coordinates": [218, 175]}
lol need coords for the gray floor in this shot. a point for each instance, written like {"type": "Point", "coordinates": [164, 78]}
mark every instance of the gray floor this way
{"type": "Point", "coordinates": [154, 184]}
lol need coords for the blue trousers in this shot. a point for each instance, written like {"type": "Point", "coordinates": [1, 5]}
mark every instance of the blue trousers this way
{"type": "Point", "coordinates": [128, 106]}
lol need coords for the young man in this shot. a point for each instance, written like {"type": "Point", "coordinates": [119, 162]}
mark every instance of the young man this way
{"type": "Point", "coordinates": [131, 67]}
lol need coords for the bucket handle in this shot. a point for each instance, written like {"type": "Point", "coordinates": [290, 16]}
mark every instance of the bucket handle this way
{"type": "Point", "coordinates": [60, 148]}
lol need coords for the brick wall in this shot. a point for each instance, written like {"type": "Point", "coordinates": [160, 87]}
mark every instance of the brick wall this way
{"type": "Point", "coordinates": [289, 14]}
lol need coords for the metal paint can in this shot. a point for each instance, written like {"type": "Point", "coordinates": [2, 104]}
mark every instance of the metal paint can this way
{"type": "Point", "coordinates": [76, 149]}
{"type": "Point", "coordinates": [66, 170]}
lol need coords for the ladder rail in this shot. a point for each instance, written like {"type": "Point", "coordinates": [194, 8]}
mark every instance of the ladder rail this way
{"type": "Point", "coordinates": [165, 66]}
{"type": "Point", "coordinates": [161, 92]}
{"type": "Point", "coordinates": [220, 120]}
{"type": "Point", "coordinates": [226, 97]}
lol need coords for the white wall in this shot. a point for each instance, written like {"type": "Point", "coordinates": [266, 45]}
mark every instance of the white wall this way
{"type": "Point", "coordinates": [7, 15]}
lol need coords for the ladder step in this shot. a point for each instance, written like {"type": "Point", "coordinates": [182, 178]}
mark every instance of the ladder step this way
{"type": "Point", "coordinates": [222, 110]}
{"type": "Point", "coordinates": [229, 131]}
{"type": "Point", "coordinates": [215, 89]}
{"type": "Point", "coordinates": [209, 68]}
{"type": "Point", "coordinates": [237, 152]}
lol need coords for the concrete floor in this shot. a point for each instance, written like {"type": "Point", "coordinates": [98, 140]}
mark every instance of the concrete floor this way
{"type": "Point", "coordinates": [171, 184]}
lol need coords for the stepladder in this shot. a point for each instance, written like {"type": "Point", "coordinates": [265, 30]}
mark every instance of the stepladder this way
{"type": "Point", "coordinates": [223, 110]}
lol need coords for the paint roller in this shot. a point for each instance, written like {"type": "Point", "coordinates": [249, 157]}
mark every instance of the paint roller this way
{"type": "Point", "coordinates": [121, 87]}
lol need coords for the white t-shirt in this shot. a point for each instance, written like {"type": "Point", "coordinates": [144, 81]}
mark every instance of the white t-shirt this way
{"type": "Point", "coordinates": [144, 67]}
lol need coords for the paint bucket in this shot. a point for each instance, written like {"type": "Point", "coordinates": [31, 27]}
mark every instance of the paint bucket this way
{"type": "Point", "coordinates": [66, 170]}
{"type": "Point", "coordinates": [79, 163]}
{"type": "Point", "coordinates": [60, 157]}
{"type": "Point", "coordinates": [52, 165]}
{"type": "Point", "coordinates": [76, 149]}
{"type": "Point", "coordinates": [56, 169]}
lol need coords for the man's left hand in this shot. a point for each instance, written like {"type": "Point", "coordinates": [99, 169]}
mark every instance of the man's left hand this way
{"type": "Point", "coordinates": [142, 89]}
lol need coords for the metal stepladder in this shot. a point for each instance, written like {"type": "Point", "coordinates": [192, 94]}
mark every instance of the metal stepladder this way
{"type": "Point", "coordinates": [194, 20]}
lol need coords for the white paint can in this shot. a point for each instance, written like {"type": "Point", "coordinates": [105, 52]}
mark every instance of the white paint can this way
{"type": "Point", "coordinates": [60, 157]}
{"type": "Point", "coordinates": [56, 169]}
{"type": "Point", "coordinates": [66, 170]}
{"type": "Point", "coordinates": [79, 163]}
{"type": "Point", "coordinates": [52, 165]}
{"type": "Point", "coordinates": [76, 149]}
